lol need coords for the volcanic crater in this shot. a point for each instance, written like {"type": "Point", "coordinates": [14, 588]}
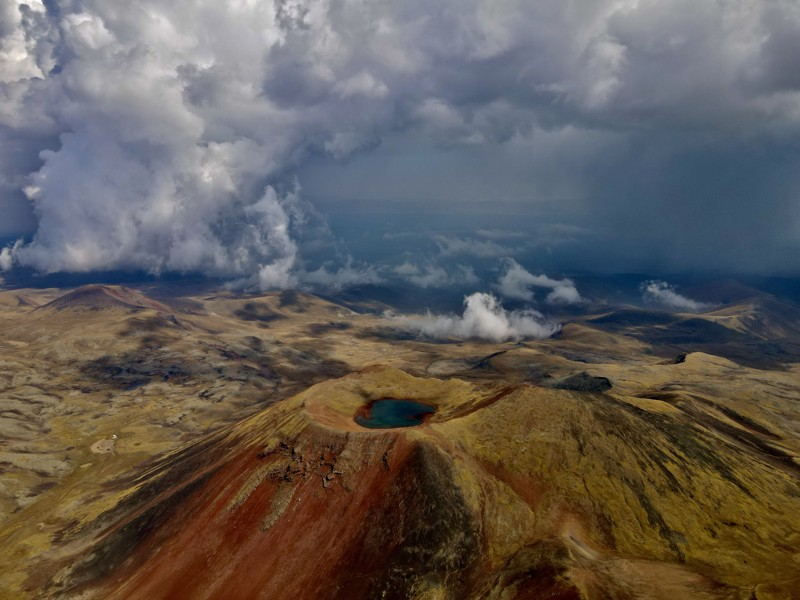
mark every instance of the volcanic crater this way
{"type": "Point", "coordinates": [495, 496]}
{"type": "Point", "coordinates": [392, 413]}
{"type": "Point", "coordinates": [379, 398]}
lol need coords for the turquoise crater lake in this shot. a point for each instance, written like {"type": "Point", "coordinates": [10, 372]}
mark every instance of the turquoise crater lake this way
{"type": "Point", "coordinates": [389, 413]}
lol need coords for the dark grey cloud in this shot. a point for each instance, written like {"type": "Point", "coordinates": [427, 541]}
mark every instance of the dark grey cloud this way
{"type": "Point", "coordinates": [166, 137]}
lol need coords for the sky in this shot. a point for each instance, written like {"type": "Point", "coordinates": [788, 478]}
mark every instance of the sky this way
{"type": "Point", "coordinates": [327, 143]}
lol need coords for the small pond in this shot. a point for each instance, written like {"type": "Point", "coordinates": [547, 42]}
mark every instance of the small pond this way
{"type": "Point", "coordinates": [388, 413]}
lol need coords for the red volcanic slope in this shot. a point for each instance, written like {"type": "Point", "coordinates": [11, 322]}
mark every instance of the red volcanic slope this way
{"type": "Point", "coordinates": [321, 514]}
{"type": "Point", "coordinates": [291, 503]}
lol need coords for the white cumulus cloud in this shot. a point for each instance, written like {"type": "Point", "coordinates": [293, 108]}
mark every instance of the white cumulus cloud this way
{"type": "Point", "coordinates": [663, 294]}
{"type": "Point", "coordinates": [6, 260]}
{"type": "Point", "coordinates": [516, 284]}
{"type": "Point", "coordinates": [483, 318]}
{"type": "Point", "coordinates": [7, 256]}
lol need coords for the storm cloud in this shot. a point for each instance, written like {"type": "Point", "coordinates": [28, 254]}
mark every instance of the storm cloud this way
{"type": "Point", "coordinates": [168, 137]}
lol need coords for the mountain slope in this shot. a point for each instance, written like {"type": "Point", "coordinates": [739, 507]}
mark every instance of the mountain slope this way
{"type": "Point", "coordinates": [506, 492]}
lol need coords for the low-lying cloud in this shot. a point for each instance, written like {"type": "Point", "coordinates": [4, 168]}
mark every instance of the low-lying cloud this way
{"type": "Point", "coordinates": [484, 318]}
{"type": "Point", "coordinates": [497, 234]}
{"type": "Point", "coordinates": [516, 284]}
{"type": "Point", "coordinates": [435, 276]}
{"type": "Point", "coordinates": [6, 259]}
{"type": "Point", "coordinates": [454, 246]}
{"type": "Point", "coordinates": [343, 277]}
{"type": "Point", "coordinates": [663, 294]}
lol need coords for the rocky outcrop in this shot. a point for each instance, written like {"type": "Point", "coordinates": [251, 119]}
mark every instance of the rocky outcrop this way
{"type": "Point", "coordinates": [582, 382]}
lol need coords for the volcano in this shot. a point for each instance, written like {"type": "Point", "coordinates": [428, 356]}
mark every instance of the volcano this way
{"type": "Point", "coordinates": [219, 450]}
{"type": "Point", "coordinates": [503, 492]}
